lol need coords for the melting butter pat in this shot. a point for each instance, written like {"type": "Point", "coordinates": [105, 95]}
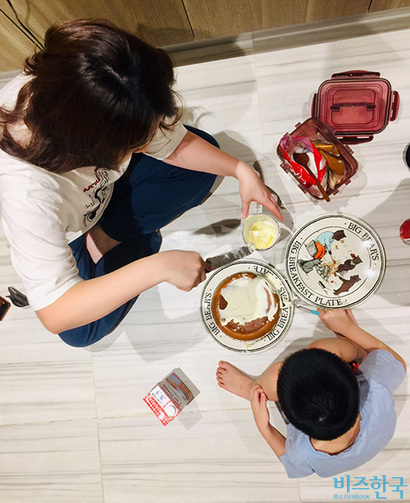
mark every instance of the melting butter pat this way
{"type": "Point", "coordinates": [261, 231]}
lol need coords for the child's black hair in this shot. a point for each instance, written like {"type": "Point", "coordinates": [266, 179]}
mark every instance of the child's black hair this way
{"type": "Point", "coordinates": [319, 393]}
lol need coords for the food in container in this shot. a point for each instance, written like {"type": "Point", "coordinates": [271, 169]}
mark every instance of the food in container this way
{"type": "Point", "coordinates": [245, 306]}
{"type": "Point", "coordinates": [316, 159]}
{"type": "Point", "coordinates": [335, 261]}
{"type": "Point", "coordinates": [260, 231]}
{"type": "Point", "coordinates": [279, 285]}
{"type": "Point", "coordinates": [170, 396]}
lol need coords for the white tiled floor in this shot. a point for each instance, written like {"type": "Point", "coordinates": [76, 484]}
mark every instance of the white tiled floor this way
{"type": "Point", "coordinates": [73, 425]}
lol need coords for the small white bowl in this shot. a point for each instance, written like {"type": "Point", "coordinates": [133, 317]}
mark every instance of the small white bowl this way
{"type": "Point", "coordinates": [261, 231]}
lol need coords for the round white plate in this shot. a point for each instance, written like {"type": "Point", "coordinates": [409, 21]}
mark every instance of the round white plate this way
{"type": "Point", "coordinates": [351, 268]}
{"type": "Point", "coordinates": [278, 282]}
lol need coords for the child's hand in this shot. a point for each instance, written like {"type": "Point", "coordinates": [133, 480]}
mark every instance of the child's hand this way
{"type": "Point", "coordinates": [260, 408]}
{"type": "Point", "coordinates": [351, 316]}
{"type": "Point", "coordinates": [337, 320]}
{"type": "Point", "coordinates": [252, 188]}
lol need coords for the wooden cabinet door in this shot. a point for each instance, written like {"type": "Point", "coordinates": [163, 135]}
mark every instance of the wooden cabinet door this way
{"type": "Point", "coordinates": [160, 22]}
{"type": "Point", "coordinates": [219, 18]}
{"type": "Point", "coordinates": [388, 4]}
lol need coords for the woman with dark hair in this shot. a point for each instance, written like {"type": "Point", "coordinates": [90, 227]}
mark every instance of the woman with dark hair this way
{"type": "Point", "coordinates": [93, 161]}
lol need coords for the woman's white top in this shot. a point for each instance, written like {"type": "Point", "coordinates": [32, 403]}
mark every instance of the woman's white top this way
{"type": "Point", "coordinates": [41, 212]}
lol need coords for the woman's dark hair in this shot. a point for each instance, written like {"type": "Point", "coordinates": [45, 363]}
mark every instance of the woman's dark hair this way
{"type": "Point", "coordinates": [97, 92]}
{"type": "Point", "coordinates": [319, 393]}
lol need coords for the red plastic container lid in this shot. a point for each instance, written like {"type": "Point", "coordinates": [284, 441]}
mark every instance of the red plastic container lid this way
{"type": "Point", "coordinates": [355, 103]}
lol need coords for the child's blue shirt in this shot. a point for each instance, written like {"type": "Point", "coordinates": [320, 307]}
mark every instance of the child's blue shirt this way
{"type": "Point", "coordinates": [379, 375]}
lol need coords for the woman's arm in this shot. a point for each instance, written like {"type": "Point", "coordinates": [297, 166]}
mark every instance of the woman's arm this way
{"type": "Point", "coordinates": [90, 300]}
{"type": "Point", "coordinates": [275, 439]}
{"type": "Point", "coordinates": [197, 154]}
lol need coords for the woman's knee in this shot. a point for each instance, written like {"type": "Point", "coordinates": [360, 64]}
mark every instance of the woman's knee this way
{"type": "Point", "coordinates": [86, 335]}
{"type": "Point", "coordinates": [75, 340]}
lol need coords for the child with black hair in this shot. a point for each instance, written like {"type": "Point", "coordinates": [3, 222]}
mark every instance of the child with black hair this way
{"type": "Point", "coordinates": [338, 417]}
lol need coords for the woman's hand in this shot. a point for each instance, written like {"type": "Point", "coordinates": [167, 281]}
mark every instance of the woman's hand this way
{"type": "Point", "coordinates": [251, 188]}
{"type": "Point", "coordinates": [93, 299]}
{"type": "Point", "coordinates": [184, 269]}
{"type": "Point", "coordinates": [197, 154]}
{"type": "Point", "coordinates": [260, 409]}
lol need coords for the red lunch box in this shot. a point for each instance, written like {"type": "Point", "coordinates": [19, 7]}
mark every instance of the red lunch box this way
{"type": "Point", "coordinates": [356, 105]}
{"type": "Point", "coordinates": [316, 131]}
{"type": "Point", "coordinates": [350, 107]}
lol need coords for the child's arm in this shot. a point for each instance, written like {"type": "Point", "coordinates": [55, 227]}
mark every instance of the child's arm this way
{"type": "Point", "coordinates": [197, 154]}
{"type": "Point", "coordinates": [347, 350]}
{"type": "Point", "coordinates": [275, 439]}
{"type": "Point", "coordinates": [342, 322]}
{"type": "Point", "coordinates": [342, 347]}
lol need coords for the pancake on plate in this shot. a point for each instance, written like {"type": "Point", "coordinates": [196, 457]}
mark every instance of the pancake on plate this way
{"type": "Point", "coordinates": [245, 306]}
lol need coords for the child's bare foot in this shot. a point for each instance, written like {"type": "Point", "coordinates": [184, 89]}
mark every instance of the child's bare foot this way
{"type": "Point", "coordinates": [233, 380]}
